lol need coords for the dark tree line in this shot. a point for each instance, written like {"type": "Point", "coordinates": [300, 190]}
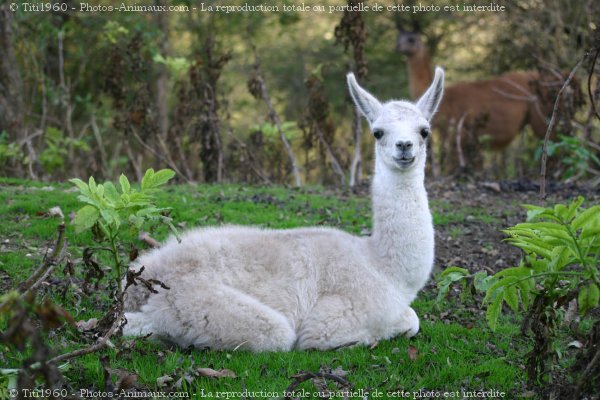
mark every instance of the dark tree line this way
{"type": "Point", "coordinates": [83, 95]}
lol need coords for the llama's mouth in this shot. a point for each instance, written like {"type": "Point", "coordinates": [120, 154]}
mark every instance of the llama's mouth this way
{"type": "Point", "coordinates": [404, 161]}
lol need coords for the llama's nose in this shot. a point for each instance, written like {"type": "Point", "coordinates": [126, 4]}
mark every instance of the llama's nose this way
{"type": "Point", "coordinates": [404, 146]}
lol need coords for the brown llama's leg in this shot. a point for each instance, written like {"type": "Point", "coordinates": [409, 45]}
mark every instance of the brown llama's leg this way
{"type": "Point", "coordinates": [431, 152]}
{"type": "Point", "coordinates": [462, 163]}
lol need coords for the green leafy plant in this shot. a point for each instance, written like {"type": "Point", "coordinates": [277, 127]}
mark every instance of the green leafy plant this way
{"type": "Point", "coordinates": [560, 264]}
{"type": "Point", "coordinates": [561, 243]}
{"type": "Point", "coordinates": [177, 66]}
{"type": "Point", "coordinates": [577, 158]}
{"type": "Point", "coordinates": [113, 30]}
{"type": "Point", "coordinates": [477, 282]}
{"type": "Point", "coordinates": [9, 150]}
{"type": "Point", "coordinates": [54, 155]}
{"type": "Point", "coordinates": [109, 210]}
{"type": "Point", "coordinates": [290, 130]}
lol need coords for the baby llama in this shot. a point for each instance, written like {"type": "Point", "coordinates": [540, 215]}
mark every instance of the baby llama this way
{"type": "Point", "coordinates": [307, 288]}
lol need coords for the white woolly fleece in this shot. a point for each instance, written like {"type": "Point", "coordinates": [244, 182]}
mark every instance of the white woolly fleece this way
{"type": "Point", "coordinates": [263, 290]}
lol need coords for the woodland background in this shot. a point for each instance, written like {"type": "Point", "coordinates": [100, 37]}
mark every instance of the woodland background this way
{"type": "Point", "coordinates": [108, 93]}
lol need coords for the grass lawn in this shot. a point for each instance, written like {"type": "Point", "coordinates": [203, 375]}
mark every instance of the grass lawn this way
{"type": "Point", "coordinates": [453, 356]}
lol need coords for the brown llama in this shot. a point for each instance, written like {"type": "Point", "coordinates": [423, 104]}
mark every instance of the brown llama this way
{"type": "Point", "coordinates": [491, 111]}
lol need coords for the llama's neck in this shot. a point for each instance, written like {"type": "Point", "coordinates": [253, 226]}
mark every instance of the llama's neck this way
{"type": "Point", "coordinates": [419, 72]}
{"type": "Point", "coordinates": [402, 238]}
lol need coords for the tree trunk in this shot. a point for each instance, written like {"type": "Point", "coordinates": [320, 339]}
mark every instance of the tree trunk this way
{"type": "Point", "coordinates": [356, 166]}
{"type": "Point", "coordinates": [212, 148]}
{"type": "Point", "coordinates": [351, 31]}
{"type": "Point", "coordinates": [163, 77]}
{"type": "Point", "coordinates": [11, 85]}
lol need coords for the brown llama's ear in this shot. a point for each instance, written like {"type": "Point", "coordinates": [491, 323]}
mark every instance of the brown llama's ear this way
{"type": "Point", "coordinates": [366, 103]}
{"type": "Point", "coordinates": [430, 101]}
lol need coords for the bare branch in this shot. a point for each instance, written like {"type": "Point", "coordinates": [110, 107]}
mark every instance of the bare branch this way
{"type": "Point", "coordinates": [149, 240]}
{"type": "Point", "coordinates": [589, 83]}
{"type": "Point", "coordinates": [334, 162]}
{"type": "Point", "coordinates": [160, 156]}
{"type": "Point", "coordinates": [100, 344]}
{"type": "Point", "coordinates": [47, 265]}
{"type": "Point", "coordinates": [552, 124]}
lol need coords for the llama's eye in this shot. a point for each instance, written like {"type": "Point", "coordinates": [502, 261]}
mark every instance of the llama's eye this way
{"type": "Point", "coordinates": [378, 133]}
{"type": "Point", "coordinates": [425, 132]}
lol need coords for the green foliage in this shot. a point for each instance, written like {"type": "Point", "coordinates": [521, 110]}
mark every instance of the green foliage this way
{"type": "Point", "coordinates": [573, 153]}
{"type": "Point", "coordinates": [109, 208]}
{"type": "Point", "coordinates": [8, 150]}
{"type": "Point", "coordinates": [562, 248]}
{"type": "Point", "coordinates": [177, 66]}
{"type": "Point", "coordinates": [289, 128]}
{"type": "Point", "coordinates": [449, 276]}
{"type": "Point", "coordinates": [560, 243]}
{"type": "Point", "coordinates": [53, 156]}
{"type": "Point", "coordinates": [477, 282]}
{"type": "Point", "coordinates": [113, 30]}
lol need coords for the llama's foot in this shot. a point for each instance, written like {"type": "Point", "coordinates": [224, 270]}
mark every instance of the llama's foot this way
{"type": "Point", "coordinates": [218, 317]}
{"type": "Point", "coordinates": [410, 323]}
{"type": "Point", "coordinates": [137, 324]}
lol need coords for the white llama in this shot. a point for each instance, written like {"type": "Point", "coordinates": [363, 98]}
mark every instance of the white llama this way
{"type": "Point", "coordinates": [265, 290]}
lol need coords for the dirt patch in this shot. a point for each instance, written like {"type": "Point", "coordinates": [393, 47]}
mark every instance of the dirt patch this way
{"type": "Point", "coordinates": [476, 241]}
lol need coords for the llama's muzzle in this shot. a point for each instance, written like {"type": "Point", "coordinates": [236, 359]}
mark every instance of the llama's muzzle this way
{"type": "Point", "coordinates": [405, 159]}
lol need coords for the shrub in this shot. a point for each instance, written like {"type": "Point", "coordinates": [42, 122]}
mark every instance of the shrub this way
{"type": "Point", "coordinates": [561, 247]}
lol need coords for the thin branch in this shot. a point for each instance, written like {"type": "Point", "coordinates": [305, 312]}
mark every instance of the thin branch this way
{"type": "Point", "coordinates": [355, 167]}
{"type": "Point", "coordinates": [552, 124]}
{"type": "Point", "coordinates": [274, 116]}
{"type": "Point", "coordinates": [334, 162]}
{"type": "Point", "coordinates": [588, 370]}
{"type": "Point", "coordinates": [589, 83]}
{"type": "Point", "coordinates": [47, 266]}
{"type": "Point", "coordinates": [100, 344]}
{"type": "Point", "coordinates": [149, 240]}
{"type": "Point", "coordinates": [459, 129]}
{"type": "Point", "coordinates": [159, 156]}
{"type": "Point", "coordinates": [101, 149]}
{"type": "Point", "coordinates": [305, 376]}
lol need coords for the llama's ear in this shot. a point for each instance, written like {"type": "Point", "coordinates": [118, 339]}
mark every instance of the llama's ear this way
{"type": "Point", "coordinates": [368, 105]}
{"type": "Point", "coordinates": [429, 102]}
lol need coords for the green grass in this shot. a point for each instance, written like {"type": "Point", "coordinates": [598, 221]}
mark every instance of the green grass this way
{"type": "Point", "coordinates": [445, 213]}
{"type": "Point", "coordinates": [450, 354]}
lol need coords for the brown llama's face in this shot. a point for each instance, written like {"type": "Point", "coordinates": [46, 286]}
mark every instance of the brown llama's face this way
{"type": "Point", "coordinates": [409, 43]}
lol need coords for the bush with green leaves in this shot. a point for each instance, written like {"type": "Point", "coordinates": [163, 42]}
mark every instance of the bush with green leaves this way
{"type": "Point", "coordinates": [9, 151]}
{"type": "Point", "coordinates": [108, 210]}
{"type": "Point", "coordinates": [576, 157]}
{"type": "Point", "coordinates": [562, 248]}
{"type": "Point", "coordinates": [57, 147]}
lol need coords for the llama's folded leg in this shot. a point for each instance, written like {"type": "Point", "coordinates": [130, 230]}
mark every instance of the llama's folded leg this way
{"type": "Point", "coordinates": [218, 317]}
{"type": "Point", "coordinates": [333, 323]}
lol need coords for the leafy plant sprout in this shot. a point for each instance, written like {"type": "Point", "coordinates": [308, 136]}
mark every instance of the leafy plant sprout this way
{"type": "Point", "coordinates": [108, 210]}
